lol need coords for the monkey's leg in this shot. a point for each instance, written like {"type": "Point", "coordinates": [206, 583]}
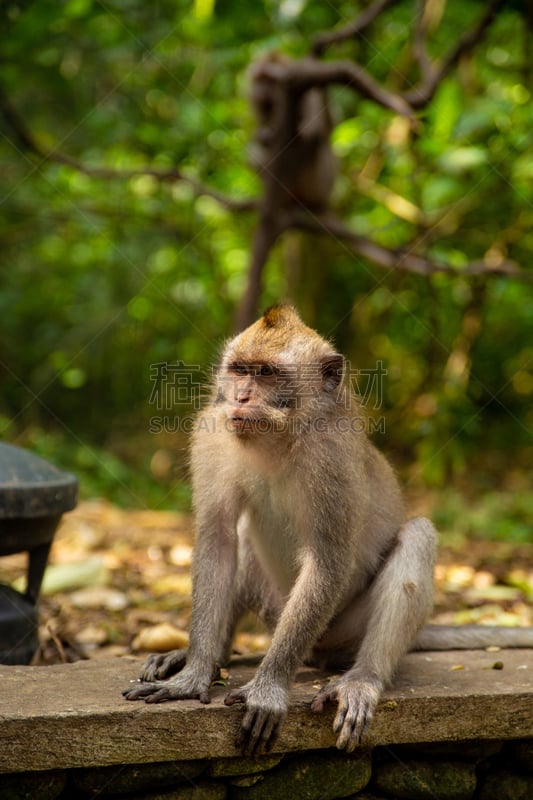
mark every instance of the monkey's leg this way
{"type": "Point", "coordinates": [399, 602]}
{"type": "Point", "coordinates": [160, 666]}
{"type": "Point", "coordinates": [251, 592]}
{"type": "Point", "coordinates": [214, 571]}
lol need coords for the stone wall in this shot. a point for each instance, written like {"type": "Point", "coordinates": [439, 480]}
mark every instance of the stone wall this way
{"type": "Point", "coordinates": [66, 732]}
{"type": "Point", "coordinates": [488, 770]}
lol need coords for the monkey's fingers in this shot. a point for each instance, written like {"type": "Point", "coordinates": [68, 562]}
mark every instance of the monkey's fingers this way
{"type": "Point", "coordinates": [235, 696]}
{"type": "Point", "coordinates": [159, 666]}
{"type": "Point", "coordinates": [170, 692]}
{"type": "Point", "coordinates": [161, 696]}
{"type": "Point", "coordinates": [353, 728]}
{"type": "Point", "coordinates": [357, 703]}
{"type": "Point", "coordinates": [161, 693]}
{"type": "Point", "coordinates": [271, 732]}
{"type": "Point", "coordinates": [326, 695]}
{"type": "Point", "coordinates": [340, 717]}
{"type": "Point", "coordinates": [258, 732]}
{"type": "Point", "coordinates": [249, 733]}
{"type": "Point", "coordinates": [140, 691]}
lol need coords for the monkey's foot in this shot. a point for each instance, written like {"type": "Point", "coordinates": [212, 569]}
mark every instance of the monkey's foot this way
{"type": "Point", "coordinates": [159, 666]}
{"type": "Point", "coordinates": [184, 686]}
{"type": "Point", "coordinates": [356, 699]}
{"type": "Point", "coordinates": [265, 710]}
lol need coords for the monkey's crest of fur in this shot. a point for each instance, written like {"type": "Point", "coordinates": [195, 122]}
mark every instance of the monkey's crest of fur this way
{"type": "Point", "coordinates": [278, 315]}
{"type": "Point", "coordinates": [283, 316]}
{"type": "Point", "coordinates": [281, 332]}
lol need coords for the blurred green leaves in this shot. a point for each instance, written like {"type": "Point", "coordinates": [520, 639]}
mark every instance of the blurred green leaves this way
{"type": "Point", "coordinates": [100, 278]}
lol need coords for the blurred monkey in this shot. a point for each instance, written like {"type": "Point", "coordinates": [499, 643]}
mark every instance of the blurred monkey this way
{"type": "Point", "coordinates": [292, 141]}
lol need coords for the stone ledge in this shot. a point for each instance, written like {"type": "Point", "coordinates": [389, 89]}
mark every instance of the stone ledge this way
{"type": "Point", "coordinates": [74, 715]}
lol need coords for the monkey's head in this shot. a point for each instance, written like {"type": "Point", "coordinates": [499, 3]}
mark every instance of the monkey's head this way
{"type": "Point", "coordinates": [275, 371]}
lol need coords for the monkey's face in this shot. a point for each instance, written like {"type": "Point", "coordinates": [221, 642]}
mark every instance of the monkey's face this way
{"type": "Point", "coordinates": [275, 373]}
{"type": "Point", "coordinates": [255, 397]}
{"type": "Point", "coordinates": [278, 399]}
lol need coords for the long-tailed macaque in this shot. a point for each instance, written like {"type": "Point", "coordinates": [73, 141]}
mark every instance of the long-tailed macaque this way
{"type": "Point", "coordinates": [301, 519]}
{"type": "Point", "coordinates": [298, 133]}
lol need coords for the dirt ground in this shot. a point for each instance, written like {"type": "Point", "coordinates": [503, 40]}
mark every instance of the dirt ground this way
{"type": "Point", "coordinates": [118, 582]}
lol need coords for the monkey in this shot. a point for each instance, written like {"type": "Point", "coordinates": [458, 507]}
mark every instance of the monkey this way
{"type": "Point", "coordinates": [300, 519]}
{"type": "Point", "coordinates": [295, 131]}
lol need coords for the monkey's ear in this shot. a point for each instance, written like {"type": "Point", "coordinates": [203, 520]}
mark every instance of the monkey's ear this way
{"type": "Point", "coordinates": [332, 368]}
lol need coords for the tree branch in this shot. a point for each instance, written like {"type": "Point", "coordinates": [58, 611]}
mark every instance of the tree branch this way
{"type": "Point", "coordinates": [303, 74]}
{"type": "Point", "coordinates": [27, 142]}
{"type": "Point", "coordinates": [419, 39]}
{"type": "Point", "coordinates": [269, 227]}
{"type": "Point", "coordinates": [398, 258]}
{"type": "Point", "coordinates": [350, 31]}
{"type": "Point", "coordinates": [434, 73]}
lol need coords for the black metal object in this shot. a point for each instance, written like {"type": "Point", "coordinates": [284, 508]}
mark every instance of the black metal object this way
{"type": "Point", "coordinates": [33, 496]}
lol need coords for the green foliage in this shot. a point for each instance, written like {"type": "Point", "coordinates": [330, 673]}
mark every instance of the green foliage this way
{"type": "Point", "coordinates": [102, 278]}
{"type": "Point", "coordinates": [499, 516]}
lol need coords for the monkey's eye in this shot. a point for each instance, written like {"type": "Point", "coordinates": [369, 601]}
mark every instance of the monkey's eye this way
{"type": "Point", "coordinates": [265, 370]}
{"type": "Point", "coordinates": [239, 369]}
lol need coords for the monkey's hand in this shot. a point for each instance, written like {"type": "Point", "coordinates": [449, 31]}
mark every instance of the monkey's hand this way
{"type": "Point", "coordinates": [357, 699]}
{"type": "Point", "coordinates": [159, 666]}
{"type": "Point", "coordinates": [187, 684]}
{"type": "Point", "coordinates": [265, 710]}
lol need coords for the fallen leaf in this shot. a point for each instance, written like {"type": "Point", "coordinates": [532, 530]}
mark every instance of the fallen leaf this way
{"type": "Point", "coordinates": [181, 555]}
{"type": "Point", "coordinates": [493, 593]}
{"type": "Point", "coordinates": [161, 638]}
{"type": "Point", "coordinates": [172, 584]}
{"type": "Point", "coordinates": [99, 597]}
{"type": "Point", "coordinates": [78, 574]}
{"type": "Point", "coordinates": [92, 634]}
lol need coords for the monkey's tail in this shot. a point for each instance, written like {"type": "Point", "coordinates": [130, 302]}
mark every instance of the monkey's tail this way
{"type": "Point", "coordinates": [472, 637]}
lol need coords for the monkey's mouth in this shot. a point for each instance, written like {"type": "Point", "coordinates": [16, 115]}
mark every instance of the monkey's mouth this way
{"type": "Point", "coordinates": [241, 421]}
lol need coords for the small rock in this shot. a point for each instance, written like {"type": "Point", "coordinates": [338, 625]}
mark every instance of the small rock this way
{"type": "Point", "coordinates": [136, 777]}
{"type": "Point", "coordinates": [425, 780]}
{"type": "Point", "coordinates": [313, 777]}
{"type": "Point", "coordinates": [229, 767]}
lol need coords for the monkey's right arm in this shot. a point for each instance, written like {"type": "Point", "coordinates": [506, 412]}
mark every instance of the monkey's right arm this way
{"type": "Point", "coordinates": [214, 569]}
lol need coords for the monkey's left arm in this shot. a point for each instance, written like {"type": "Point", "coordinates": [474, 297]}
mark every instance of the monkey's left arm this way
{"type": "Point", "coordinates": [307, 612]}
